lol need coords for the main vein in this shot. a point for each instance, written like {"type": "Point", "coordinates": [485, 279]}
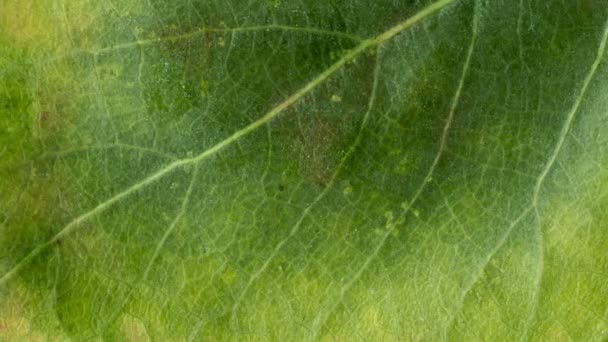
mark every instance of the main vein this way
{"type": "Point", "coordinates": [306, 89]}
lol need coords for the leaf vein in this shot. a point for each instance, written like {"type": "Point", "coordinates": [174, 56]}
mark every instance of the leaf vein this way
{"type": "Point", "coordinates": [306, 89]}
{"type": "Point", "coordinates": [321, 318]}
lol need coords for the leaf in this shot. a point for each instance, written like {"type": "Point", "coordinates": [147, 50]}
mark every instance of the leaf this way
{"type": "Point", "coordinates": [303, 170]}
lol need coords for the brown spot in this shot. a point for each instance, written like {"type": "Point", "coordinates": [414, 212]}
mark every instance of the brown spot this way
{"type": "Point", "coordinates": [587, 4]}
{"type": "Point", "coordinates": [585, 7]}
{"type": "Point", "coordinates": [318, 158]}
{"type": "Point", "coordinates": [45, 117]}
{"type": "Point", "coordinates": [318, 142]}
{"type": "Point", "coordinates": [47, 122]}
{"type": "Point", "coordinates": [55, 102]}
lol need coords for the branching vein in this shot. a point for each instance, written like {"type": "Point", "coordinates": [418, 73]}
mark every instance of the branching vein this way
{"type": "Point", "coordinates": [189, 35]}
{"type": "Point", "coordinates": [306, 89]}
{"type": "Point", "coordinates": [538, 186]}
{"type": "Point", "coordinates": [322, 317]}
{"type": "Point", "coordinates": [601, 51]}
{"type": "Point", "coordinates": [296, 227]}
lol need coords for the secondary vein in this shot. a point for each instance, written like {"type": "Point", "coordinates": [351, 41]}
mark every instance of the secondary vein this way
{"type": "Point", "coordinates": [306, 89]}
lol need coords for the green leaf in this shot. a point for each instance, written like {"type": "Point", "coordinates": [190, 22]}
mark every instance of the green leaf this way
{"type": "Point", "coordinates": [304, 170]}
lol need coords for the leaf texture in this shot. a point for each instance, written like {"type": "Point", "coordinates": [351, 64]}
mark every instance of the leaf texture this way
{"type": "Point", "coordinates": [304, 170]}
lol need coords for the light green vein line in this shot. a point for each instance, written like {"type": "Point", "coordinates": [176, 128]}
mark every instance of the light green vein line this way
{"type": "Point", "coordinates": [548, 166]}
{"type": "Point", "coordinates": [323, 316]}
{"type": "Point", "coordinates": [296, 227]}
{"type": "Point", "coordinates": [161, 244]}
{"type": "Point", "coordinates": [273, 27]}
{"type": "Point", "coordinates": [571, 115]}
{"type": "Point", "coordinates": [352, 54]}
{"type": "Point", "coordinates": [483, 265]}
{"type": "Point", "coordinates": [74, 224]}
{"type": "Point", "coordinates": [404, 25]}
{"type": "Point", "coordinates": [284, 105]}
{"type": "Point", "coordinates": [176, 220]}
{"type": "Point", "coordinates": [59, 154]}
{"type": "Point", "coordinates": [364, 45]}
{"type": "Point", "coordinates": [387, 35]}
{"type": "Point", "coordinates": [600, 332]}
{"type": "Point", "coordinates": [601, 51]}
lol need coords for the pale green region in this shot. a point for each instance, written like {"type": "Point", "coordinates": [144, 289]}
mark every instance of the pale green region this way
{"type": "Point", "coordinates": [18, 321]}
{"type": "Point", "coordinates": [404, 162]}
{"type": "Point", "coordinates": [133, 329]}
{"type": "Point", "coordinates": [571, 252]}
{"type": "Point", "coordinates": [499, 297]}
{"type": "Point", "coordinates": [347, 188]}
{"type": "Point", "coordinates": [336, 98]}
{"type": "Point", "coordinates": [257, 317]}
{"type": "Point", "coordinates": [43, 27]}
{"type": "Point", "coordinates": [393, 310]}
{"type": "Point", "coordinates": [393, 223]}
{"type": "Point", "coordinates": [148, 320]}
{"type": "Point", "coordinates": [575, 245]}
{"type": "Point", "coordinates": [275, 3]}
{"type": "Point", "coordinates": [565, 225]}
{"type": "Point", "coordinates": [34, 89]}
{"type": "Point", "coordinates": [27, 22]}
{"type": "Point", "coordinates": [416, 212]}
{"type": "Point", "coordinates": [142, 314]}
{"type": "Point", "coordinates": [404, 166]}
{"type": "Point", "coordinates": [372, 321]}
{"type": "Point", "coordinates": [574, 215]}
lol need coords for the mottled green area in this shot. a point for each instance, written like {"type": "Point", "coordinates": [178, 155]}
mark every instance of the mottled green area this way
{"type": "Point", "coordinates": [444, 183]}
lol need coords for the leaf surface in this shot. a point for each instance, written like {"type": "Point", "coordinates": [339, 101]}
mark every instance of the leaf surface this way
{"type": "Point", "coordinates": [304, 170]}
